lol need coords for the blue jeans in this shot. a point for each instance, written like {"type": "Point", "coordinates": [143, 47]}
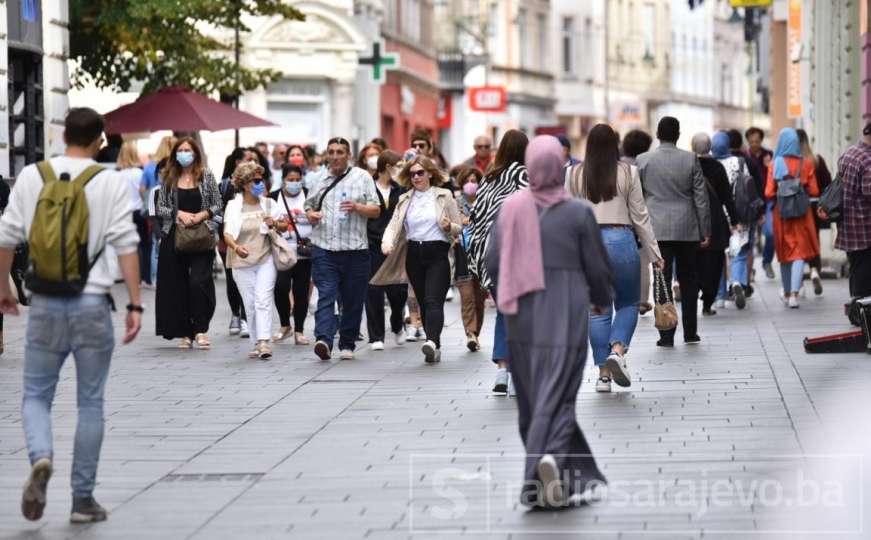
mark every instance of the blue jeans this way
{"type": "Point", "coordinates": [791, 274]}
{"type": "Point", "coordinates": [739, 262]}
{"type": "Point", "coordinates": [80, 325]}
{"type": "Point", "coordinates": [345, 275]}
{"type": "Point", "coordinates": [768, 231]}
{"type": "Point", "coordinates": [611, 328]}
{"type": "Point", "coordinates": [500, 335]}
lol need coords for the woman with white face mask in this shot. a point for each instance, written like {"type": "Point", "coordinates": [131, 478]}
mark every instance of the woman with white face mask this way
{"type": "Point", "coordinates": [297, 281]}
{"type": "Point", "coordinates": [368, 158]}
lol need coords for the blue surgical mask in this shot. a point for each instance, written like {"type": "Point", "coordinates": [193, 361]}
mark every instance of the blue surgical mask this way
{"type": "Point", "coordinates": [184, 158]}
{"type": "Point", "coordinates": [293, 187]}
{"type": "Point", "coordinates": [258, 189]}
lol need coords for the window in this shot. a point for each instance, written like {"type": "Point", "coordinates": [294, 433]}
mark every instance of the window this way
{"type": "Point", "coordinates": [26, 121]}
{"type": "Point", "coordinates": [542, 41]}
{"type": "Point", "coordinates": [568, 45]}
{"type": "Point", "coordinates": [411, 19]}
{"type": "Point", "coordinates": [493, 21]}
{"type": "Point", "coordinates": [649, 30]}
{"type": "Point", "coordinates": [523, 37]}
{"type": "Point", "coordinates": [390, 11]}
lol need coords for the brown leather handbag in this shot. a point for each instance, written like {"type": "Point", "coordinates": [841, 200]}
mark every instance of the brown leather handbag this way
{"type": "Point", "coordinates": [664, 314]}
{"type": "Point", "coordinates": [196, 239]}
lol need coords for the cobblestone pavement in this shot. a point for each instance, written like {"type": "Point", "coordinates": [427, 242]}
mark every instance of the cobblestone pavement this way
{"type": "Point", "coordinates": [722, 439]}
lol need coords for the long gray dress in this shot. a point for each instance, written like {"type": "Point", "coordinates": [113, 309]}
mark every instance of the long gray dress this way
{"type": "Point", "coordinates": [547, 341]}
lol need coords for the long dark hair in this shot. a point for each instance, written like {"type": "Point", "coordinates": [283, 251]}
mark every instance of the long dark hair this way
{"type": "Point", "coordinates": [512, 149]}
{"type": "Point", "coordinates": [600, 164]}
{"type": "Point", "coordinates": [238, 154]}
{"type": "Point", "coordinates": [172, 172]}
{"type": "Point", "coordinates": [263, 162]}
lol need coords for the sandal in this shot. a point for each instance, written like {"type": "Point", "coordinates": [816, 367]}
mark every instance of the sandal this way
{"type": "Point", "coordinates": [203, 342]}
{"type": "Point", "coordinates": [263, 351]}
{"type": "Point", "coordinates": [282, 334]}
{"type": "Point", "coordinates": [300, 339]}
{"type": "Point", "coordinates": [254, 353]}
{"type": "Point", "coordinates": [186, 343]}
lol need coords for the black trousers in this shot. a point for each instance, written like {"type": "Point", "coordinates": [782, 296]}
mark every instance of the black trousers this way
{"type": "Point", "coordinates": [709, 263]}
{"type": "Point", "coordinates": [397, 295]}
{"type": "Point", "coordinates": [685, 255]}
{"type": "Point", "coordinates": [234, 298]}
{"type": "Point", "coordinates": [144, 247]}
{"type": "Point", "coordinates": [860, 273]}
{"type": "Point", "coordinates": [297, 279]}
{"type": "Point", "coordinates": [429, 271]}
{"type": "Point", "coordinates": [185, 295]}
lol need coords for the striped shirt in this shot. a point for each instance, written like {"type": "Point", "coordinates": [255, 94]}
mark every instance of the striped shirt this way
{"type": "Point", "coordinates": [332, 233]}
{"type": "Point", "coordinates": [491, 195]}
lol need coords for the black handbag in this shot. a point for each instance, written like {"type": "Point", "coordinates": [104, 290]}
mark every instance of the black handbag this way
{"type": "Point", "coordinates": [832, 200]}
{"type": "Point", "coordinates": [303, 245]}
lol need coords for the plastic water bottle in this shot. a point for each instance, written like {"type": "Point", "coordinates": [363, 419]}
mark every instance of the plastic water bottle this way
{"type": "Point", "coordinates": [343, 215]}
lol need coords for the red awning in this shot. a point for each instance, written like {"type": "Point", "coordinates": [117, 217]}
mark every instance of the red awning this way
{"type": "Point", "coordinates": [177, 108]}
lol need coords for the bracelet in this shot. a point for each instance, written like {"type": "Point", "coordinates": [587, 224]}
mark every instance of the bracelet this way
{"type": "Point", "coordinates": [135, 307]}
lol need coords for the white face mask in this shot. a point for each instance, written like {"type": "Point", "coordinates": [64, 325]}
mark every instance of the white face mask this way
{"type": "Point", "coordinates": [372, 162]}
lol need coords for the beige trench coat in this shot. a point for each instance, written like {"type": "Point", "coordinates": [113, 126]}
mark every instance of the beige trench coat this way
{"type": "Point", "coordinates": [392, 272]}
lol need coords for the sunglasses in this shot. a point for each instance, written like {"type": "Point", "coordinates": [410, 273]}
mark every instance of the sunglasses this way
{"type": "Point", "coordinates": [420, 146]}
{"type": "Point", "coordinates": [482, 146]}
{"type": "Point", "coordinates": [418, 174]}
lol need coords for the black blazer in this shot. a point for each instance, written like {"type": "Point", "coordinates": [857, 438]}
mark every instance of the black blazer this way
{"type": "Point", "coordinates": [375, 227]}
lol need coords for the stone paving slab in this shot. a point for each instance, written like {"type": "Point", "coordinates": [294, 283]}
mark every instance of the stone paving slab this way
{"type": "Point", "coordinates": [209, 444]}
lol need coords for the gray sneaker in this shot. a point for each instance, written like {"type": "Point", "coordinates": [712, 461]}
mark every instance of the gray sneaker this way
{"type": "Point", "coordinates": [87, 510]}
{"type": "Point", "coordinates": [34, 496]}
{"type": "Point", "coordinates": [235, 325]}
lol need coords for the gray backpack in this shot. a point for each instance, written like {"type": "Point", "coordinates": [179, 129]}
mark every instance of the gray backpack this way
{"type": "Point", "coordinates": [792, 199]}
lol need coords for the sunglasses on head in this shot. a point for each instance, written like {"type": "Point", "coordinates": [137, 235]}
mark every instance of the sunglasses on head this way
{"type": "Point", "coordinates": [339, 140]}
{"type": "Point", "coordinates": [418, 173]}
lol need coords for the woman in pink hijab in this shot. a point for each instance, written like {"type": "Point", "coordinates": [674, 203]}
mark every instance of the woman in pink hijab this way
{"type": "Point", "coordinates": [551, 266]}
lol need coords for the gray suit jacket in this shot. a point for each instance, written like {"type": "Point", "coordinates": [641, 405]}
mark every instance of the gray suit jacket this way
{"type": "Point", "coordinates": [674, 189]}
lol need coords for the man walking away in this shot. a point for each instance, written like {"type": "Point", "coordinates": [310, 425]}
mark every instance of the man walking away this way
{"type": "Point", "coordinates": [677, 200]}
{"type": "Point", "coordinates": [854, 231]}
{"type": "Point", "coordinates": [339, 207]}
{"type": "Point", "coordinates": [69, 314]}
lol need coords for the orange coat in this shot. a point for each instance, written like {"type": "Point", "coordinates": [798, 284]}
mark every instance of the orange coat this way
{"type": "Point", "coordinates": [795, 239]}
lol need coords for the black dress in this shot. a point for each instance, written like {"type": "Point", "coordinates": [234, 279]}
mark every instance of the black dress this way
{"type": "Point", "coordinates": [185, 287]}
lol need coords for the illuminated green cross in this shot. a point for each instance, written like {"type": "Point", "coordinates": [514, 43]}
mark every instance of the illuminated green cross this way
{"type": "Point", "coordinates": [380, 62]}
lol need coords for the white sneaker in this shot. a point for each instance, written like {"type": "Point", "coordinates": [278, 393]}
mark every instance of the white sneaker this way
{"type": "Point", "coordinates": [500, 385]}
{"type": "Point", "coordinates": [619, 369]}
{"type": "Point", "coordinates": [450, 295]}
{"type": "Point", "coordinates": [420, 334]}
{"type": "Point", "coordinates": [243, 329]}
{"type": "Point", "coordinates": [552, 493]}
{"type": "Point", "coordinates": [603, 385]}
{"type": "Point", "coordinates": [378, 346]}
{"type": "Point", "coordinates": [346, 355]}
{"type": "Point", "coordinates": [411, 335]}
{"type": "Point", "coordinates": [511, 391]}
{"type": "Point", "coordinates": [399, 337]}
{"type": "Point", "coordinates": [793, 302]}
{"type": "Point", "coordinates": [817, 281]}
{"type": "Point", "coordinates": [721, 304]}
{"type": "Point", "coordinates": [802, 292]}
{"type": "Point", "coordinates": [430, 353]}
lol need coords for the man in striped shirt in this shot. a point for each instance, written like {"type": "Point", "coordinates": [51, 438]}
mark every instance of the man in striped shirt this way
{"type": "Point", "coordinates": [339, 207]}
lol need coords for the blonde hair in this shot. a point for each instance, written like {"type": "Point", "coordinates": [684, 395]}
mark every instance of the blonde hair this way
{"type": "Point", "coordinates": [437, 177]}
{"type": "Point", "coordinates": [164, 149]}
{"type": "Point", "coordinates": [128, 157]}
{"type": "Point", "coordinates": [246, 173]}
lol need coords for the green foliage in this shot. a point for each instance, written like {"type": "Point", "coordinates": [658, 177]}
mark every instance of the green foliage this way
{"type": "Point", "coordinates": [162, 43]}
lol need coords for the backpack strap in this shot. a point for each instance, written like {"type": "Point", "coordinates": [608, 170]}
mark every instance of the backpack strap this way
{"type": "Point", "coordinates": [46, 172]}
{"type": "Point", "coordinates": [88, 174]}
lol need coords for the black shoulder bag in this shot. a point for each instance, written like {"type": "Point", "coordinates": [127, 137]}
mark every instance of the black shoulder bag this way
{"type": "Point", "coordinates": [330, 188]}
{"type": "Point", "coordinates": [303, 245]}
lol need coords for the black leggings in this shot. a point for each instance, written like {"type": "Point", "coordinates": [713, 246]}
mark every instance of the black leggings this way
{"type": "Point", "coordinates": [233, 296]}
{"type": "Point", "coordinates": [298, 279]}
{"type": "Point", "coordinates": [397, 295]}
{"type": "Point", "coordinates": [429, 272]}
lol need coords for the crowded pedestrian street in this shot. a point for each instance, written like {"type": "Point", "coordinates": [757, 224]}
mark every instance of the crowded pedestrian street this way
{"type": "Point", "coordinates": [207, 444]}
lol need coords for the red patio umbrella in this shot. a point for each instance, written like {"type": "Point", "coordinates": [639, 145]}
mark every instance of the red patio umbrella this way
{"type": "Point", "coordinates": [177, 108]}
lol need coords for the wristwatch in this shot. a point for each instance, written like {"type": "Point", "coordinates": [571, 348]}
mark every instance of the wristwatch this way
{"type": "Point", "coordinates": [135, 307]}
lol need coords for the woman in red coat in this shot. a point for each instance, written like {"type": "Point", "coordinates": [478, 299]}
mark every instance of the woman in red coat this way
{"type": "Point", "coordinates": [795, 240]}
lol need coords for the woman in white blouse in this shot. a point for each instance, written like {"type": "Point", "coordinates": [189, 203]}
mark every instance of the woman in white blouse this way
{"type": "Point", "coordinates": [418, 240]}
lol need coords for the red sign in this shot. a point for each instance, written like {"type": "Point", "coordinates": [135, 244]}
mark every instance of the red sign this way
{"type": "Point", "coordinates": [444, 118]}
{"type": "Point", "coordinates": [488, 99]}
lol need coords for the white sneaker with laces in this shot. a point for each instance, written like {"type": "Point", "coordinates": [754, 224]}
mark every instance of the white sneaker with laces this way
{"type": "Point", "coordinates": [346, 355]}
{"type": "Point", "coordinates": [616, 364]}
{"type": "Point", "coordinates": [430, 352]}
{"type": "Point", "coordinates": [411, 335]}
{"type": "Point", "coordinates": [603, 385]}
{"type": "Point", "coordinates": [243, 329]}
{"type": "Point", "coordinates": [500, 385]}
{"type": "Point", "coordinates": [378, 346]}
{"type": "Point", "coordinates": [399, 337]}
{"type": "Point", "coordinates": [793, 302]}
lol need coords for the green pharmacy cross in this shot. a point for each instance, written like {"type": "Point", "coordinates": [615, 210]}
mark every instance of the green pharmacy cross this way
{"type": "Point", "coordinates": [380, 62]}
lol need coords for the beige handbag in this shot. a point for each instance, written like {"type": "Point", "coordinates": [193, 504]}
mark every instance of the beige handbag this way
{"type": "Point", "coordinates": [283, 256]}
{"type": "Point", "coordinates": [664, 314]}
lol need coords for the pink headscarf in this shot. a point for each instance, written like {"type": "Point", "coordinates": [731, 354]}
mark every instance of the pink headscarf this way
{"type": "Point", "coordinates": [521, 268]}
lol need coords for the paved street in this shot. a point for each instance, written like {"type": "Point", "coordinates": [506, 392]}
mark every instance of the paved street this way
{"type": "Point", "coordinates": [210, 445]}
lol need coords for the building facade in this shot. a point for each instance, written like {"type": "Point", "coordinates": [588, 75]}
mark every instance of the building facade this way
{"type": "Point", "coordinates": [34, 46]}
